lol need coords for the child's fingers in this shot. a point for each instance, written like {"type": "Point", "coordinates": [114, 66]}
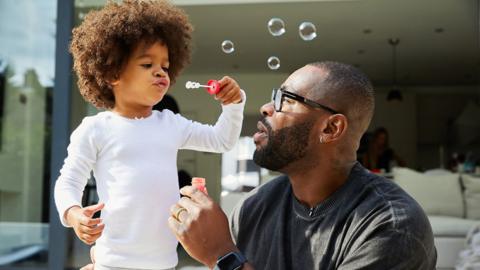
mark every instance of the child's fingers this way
{"type": "Point", "coordinates": [92, 209]}
{"type": "Point", "coordinates": [237, 98]}
{"type": "Point", "coordinates": [224, 81]}
{"type": "Point", "coordinates": [94, 230]}
{"type": "Point", "coordinates": [226, 85]}
{"type": "Point", "coordinates": [90, 238]}
{"type": "Point", "coordinates": [94, 237]}
{"type": "Point", "coordinates": [87, 239]}
{"type": "Point", "coordinates": [224, 91]}
{"type": "Point", "coordinates": [86, 221]}
{"type": "Point", "coordinates": [229, 97]}
{"type": "Point", "coordinates": [234, 97]}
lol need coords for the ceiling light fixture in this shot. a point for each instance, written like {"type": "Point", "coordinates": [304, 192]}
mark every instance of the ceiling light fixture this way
{"type": "Point", "coordinates": [394, 93]}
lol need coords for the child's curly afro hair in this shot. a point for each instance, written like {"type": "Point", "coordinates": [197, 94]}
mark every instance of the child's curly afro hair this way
{"type": "Point", "coordinates": [102, 44]}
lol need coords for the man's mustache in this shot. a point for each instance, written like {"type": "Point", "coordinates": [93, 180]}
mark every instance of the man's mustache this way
{"type": "Point", "coordinates": [266, 124]}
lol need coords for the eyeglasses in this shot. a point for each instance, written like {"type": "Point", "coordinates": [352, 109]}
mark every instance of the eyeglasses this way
{"type": "Point", "coordinates": [279, 94]}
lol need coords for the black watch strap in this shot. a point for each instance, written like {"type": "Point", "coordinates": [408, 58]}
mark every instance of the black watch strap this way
{"type": "Point", "coordinates": [230, 261]}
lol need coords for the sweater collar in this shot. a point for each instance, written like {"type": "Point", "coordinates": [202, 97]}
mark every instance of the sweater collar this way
{"type": "Point", "coordinates": [330, 203]}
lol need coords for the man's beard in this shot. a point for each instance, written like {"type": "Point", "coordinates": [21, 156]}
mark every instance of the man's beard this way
{"type": "Point", "coordinates": [284, 146]}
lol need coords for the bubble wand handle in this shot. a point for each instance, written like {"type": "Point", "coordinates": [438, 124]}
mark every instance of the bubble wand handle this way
{"type": "Point", "coordinates": [213, 87]}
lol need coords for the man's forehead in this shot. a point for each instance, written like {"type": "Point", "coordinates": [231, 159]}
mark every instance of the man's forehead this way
{"type": "Point", "coordinates": [303, 80]}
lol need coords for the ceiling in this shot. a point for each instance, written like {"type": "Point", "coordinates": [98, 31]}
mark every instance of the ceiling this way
{"type": "Point", "coordinates": [439, 39]}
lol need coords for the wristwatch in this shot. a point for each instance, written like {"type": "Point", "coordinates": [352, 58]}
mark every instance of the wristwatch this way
{"type": "Point", "coordinates": [230, 261]}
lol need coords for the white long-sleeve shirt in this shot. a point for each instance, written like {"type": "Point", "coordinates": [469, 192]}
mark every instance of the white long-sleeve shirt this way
{"type": "Point", "coordinates": [134, 164]}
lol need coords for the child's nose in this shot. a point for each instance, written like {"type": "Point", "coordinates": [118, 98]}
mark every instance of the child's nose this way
{"type": "Point", "coordinates": [159, 72]}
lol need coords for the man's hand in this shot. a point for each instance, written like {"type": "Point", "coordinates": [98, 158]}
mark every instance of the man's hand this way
{"type": "Point", "coordinates": [202, 228]}
{"type": "Point", "coordinates": [88, 229]}
{"type": "Point", "coordinates": [229, 91]}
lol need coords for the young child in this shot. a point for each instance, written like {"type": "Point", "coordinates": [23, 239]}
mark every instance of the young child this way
{"type": "Point", "coordinates": [125, 56]}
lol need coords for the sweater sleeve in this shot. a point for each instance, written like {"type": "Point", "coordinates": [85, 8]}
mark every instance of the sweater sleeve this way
{"type": "Point", "coordinates": [218, 138]}
{"type": "Point", "coordinates": [82, 154]}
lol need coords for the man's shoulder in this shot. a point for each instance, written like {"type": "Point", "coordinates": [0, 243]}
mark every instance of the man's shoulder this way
{"type": "Point", "coordinates": [259, 205]}
{"type": "Point", "coordinates": [390, 204]}
{"type": "Point", "coordinates": [266, 196]}
{"type": "Point", "coordinates": [380, 211]}
{"type": "Point", "coordinates": [269, 190]}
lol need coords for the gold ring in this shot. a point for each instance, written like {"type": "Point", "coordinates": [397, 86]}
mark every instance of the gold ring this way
{"type": "Point", "coordinates": [178, 211]}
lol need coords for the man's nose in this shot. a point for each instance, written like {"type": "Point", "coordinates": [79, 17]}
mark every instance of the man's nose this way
{"type": "Point", "coordinates": [267, 109]}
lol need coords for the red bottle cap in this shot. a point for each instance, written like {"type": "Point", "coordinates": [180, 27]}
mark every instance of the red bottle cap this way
{"type": "Point", "coordinates": [214, 87]}
{"type": "Point", "coordinates": [199, 183]}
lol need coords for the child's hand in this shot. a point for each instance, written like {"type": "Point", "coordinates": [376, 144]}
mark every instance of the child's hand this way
{"type": "Point", "coordinates": [88, 229]}
{"type": "Point", "coordinates": [229, 91]}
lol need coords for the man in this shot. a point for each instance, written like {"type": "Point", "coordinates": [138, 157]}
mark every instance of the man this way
{"type": "Point", "coordinates": [327, 211]}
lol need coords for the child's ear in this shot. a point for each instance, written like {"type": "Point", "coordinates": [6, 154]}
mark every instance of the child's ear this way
{"type": "Point", "coordinates": [114, 82]}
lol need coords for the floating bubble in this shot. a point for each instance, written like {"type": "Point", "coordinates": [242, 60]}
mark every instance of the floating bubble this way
{"type": "Point", "coordinates": [273, 63]}
{"type": "Point", "coordinates": [227, 46]}
{"type": "Point", "coordinates": [276, 27]}
{"type": "Point", "coordinates": [307, 31]}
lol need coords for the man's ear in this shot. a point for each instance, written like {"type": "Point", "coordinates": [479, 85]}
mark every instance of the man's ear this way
{"type": "Point", "coordinates": [333, 128]}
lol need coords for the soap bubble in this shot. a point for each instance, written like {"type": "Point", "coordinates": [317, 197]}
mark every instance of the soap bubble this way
{"type": "Point", "coordinates": [227, 46]}
{"type": "Point", "coordinates": [273, 63]}
{"type": "Point", "coordinates": [307, 31]}
{"type": "Point", "coordinates": [276, 27]}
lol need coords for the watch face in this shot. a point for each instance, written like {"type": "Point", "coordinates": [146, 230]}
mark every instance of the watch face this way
{"type": "Point", "coordinates": [230, 261]}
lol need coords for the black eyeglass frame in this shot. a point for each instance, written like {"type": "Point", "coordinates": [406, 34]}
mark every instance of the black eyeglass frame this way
{"type": "Point", "coordinates": [309, 102]}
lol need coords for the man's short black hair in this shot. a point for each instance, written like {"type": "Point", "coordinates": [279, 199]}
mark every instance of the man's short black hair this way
{"type": "Point", "coordinates": [348, 90]}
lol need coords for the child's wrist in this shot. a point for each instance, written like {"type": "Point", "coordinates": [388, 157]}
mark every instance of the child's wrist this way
{"type": "Point", "coordinates": [68, 214]}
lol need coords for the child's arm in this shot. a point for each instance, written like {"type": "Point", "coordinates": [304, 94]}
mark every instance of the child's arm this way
{"type": "Point", "coordinates": [225, 133]}
{"type": "Point", "coordinates": [82, 154]}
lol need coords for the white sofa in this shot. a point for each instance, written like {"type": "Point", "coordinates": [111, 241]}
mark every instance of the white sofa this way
{"type": "Point", "coordinates": [452, 203]}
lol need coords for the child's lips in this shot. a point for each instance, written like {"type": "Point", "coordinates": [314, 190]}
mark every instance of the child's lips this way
{"type": "Point", "coordinates": [161, 83]}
